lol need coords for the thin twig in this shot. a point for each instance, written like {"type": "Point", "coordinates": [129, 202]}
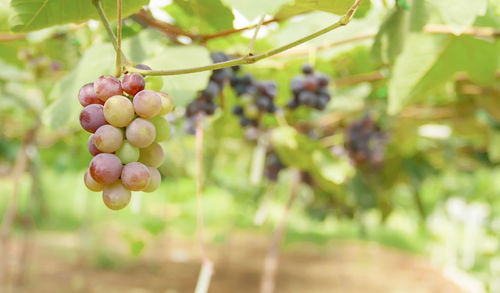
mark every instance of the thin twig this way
{"type": "Point", "coordinates": [170, 30]}
{"type": "Point", "coordinates": [118, 38]}
{"type": "Point", "coordinates": [107, 26]}
{"type": "Point", "coordinates": [207, 266]}
{"type": "Point", "coordinates": [255, 33]}
{"type": "Point", "coordinates": [271, 262]}
{"type": "Point", "coordinates": [229, 32]}
{"type": "Point", "coordinates": [253, 58]}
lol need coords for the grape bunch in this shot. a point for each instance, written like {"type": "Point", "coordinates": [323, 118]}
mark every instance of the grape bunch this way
{"type": "Point", "coordinates": [205, 102]}
{"type": "Point", "coordinates": [126, 124]}
{"type": "Point", "coordinates": [310, 90]}
{"type": "Point", "coordinates": [273, 166]}
{"type": "Point", "coordinates": [365, 142]}
{"type": "Point", "coordinates": [256, 99]}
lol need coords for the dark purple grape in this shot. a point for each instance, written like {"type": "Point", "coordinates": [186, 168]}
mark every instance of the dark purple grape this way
{"type": "Point", "coordinates": [105, 168]}
{"type": "Point", "coordinates": [211, 91]}
{"type": "Point", "coordinates": [307, 98]}
{"type": "Point", "coordinates": [321, 102]}
{"type": "Point", "coordinates": [237, 110]}
{"type": "Point", "coordinates": [311, 84]}
{"type": "Point", "coordinates": [263, 103]}
{"type": "Point", "coordinates": [323, 80]}
{"type": "Point", "coordinates": [92, 117]}
{"type": "Point", "coordinates": [87, 96]}
{"type": "Point", "coordinates": [292, 104]}
{"type": "Point", "coordinates": [133, 83]}
{"type": "Point", "coordinates": [107, 86]}
{"type": "Point", "coordinates": [307, 69]}
{"type": "Point", "coordinates": [297, 84]}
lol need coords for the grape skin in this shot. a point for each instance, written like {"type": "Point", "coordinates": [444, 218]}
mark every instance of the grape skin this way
{"type": "Point", "coordinates": [105, 168]}
{"type": "Point", "coordinates": [167, 104]}
{"type": "Point", "coordinates": [92, 117]}
{"type": "Point", "coordinates": [152, 155]}
{"type": "Point", "coordinates": [140, 133]}
{"type": "Point", "coordinates": [87, 96]}
{"type": "Point", "coordinates": [93, 150]}
{"type": "Point", "coordinates": [133, 83]}
{"type": "Point", "coordinates": [119, 111]}
{"type": "Point", "coordinates": [116, 196]}
{"type": "Point", "coordinates": [147, 103]}
{"type": "Point", "coordinates": [127, 153]}
{"type": "Point", "coordinates": [108, 138]}
{"type": "Point", "coordinates": [91, 183]}
{"type": "Point", "coordinates": [107, 86]}
{"type": "Point", "coordinates": [154, 181]}
{"type": "Point", "coordinates": [163, 129]}
{"type": "Point", "coordinates": [135, 176]}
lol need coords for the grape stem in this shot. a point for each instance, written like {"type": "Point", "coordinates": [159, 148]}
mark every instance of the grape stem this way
{"type": "Point", "coordinates": [107, 26]}
{"type": "Point", "coordinates": [255, 33]}
{"type": "Point", "coordinates": [118, 38]}
{"type": "Point", "coordinates": [250, 59]}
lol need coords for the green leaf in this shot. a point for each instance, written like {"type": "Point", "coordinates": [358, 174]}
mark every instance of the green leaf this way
{"type": "Point", "coordinates": [429, 61]}
{"type": "Point", "coordinates": [256, 8]}
{"type": "Point", "coordinates": [339, 7]}
{"type": "Point", "coordinates": [390, 38]}
{"type": "Point", "coordinates": [29, 15]}
{"type": "Point", "coordinates": [198, 15]}
{"type": "Point", "coordinates": [183, 87]}
{"type": "Point", "coordinates": [459, 14]}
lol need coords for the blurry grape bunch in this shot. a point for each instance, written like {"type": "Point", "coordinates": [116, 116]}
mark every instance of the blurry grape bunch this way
{"type": "Point", "coordinates": [255, 98]}
{"type": "Point", "coordinates": [205, 102]}
{"type": "Point", "coordinates": [125, 119]}
{"type": "Point", "coordinates": [310, 90]}
{"type": "Point", "coordinates": [365, 142]}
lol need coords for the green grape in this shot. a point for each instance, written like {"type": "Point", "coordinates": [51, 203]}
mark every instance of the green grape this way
{"type": "Point", "coordinates": [167, 104]}
{"type": "Point", "coordinates": [152, 155]}
{"type": "Point", "coordinates": [155, 180]}
{"type": "Point", "coordinates": [163, 129]}
{"type": "Point", "coordinates": [154, 83]}
{"type": "Point", "coordinates": [251, 111]}
{"type": "Point", "coordinates": [127, 153]}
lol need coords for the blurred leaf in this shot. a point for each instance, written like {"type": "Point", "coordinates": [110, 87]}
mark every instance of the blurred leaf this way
{"type": "Point", "coordinates": [183, 87]}
{"type": "Point", "coordinates": [29, 15]}
{"type": "Point", "coordinates": [459, 14]}
{"type": "Point", "coordinates": [391, 36]}
{"type": "Point", "coordinates": [429, 61]}
{"type": "Point", "coordinates": [494, 146]}
{"type": "Point", "coordinates": [338, 7]}
{"type": "Point", "coordinates": [256, 8]}
{"type": "Point", "coordinates": [198, 15]}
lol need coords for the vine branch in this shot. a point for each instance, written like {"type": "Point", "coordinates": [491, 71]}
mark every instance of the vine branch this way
{"type": "Point", "coordinates": [250, 59]}
{"type": "Point", "coordinates": [119, 38]}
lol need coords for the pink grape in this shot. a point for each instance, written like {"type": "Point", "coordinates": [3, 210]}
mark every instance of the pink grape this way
{"type": "Point", "coordinates": [105, 168]}
{"type": "Point", "coordinates": [119, 111]}
{"type": "Point", "coordinates": [93, 150]}
{"type": "Point", "coordinates": [147, 103]}
{"type": "Point", "coordinates": [116, 196]}
{"type": "Point", "coordinates": [140, 133]}
{"type": "Point", "coordinates": [133, 83]}
{"type": "Point", "coordinates": [108, 138]}
{"type": "Point", "coordinates": [135, 176]}
{"type": "Point", "coordinates": [92, 117]}
{"type": "Point", "coordinates": [107, 86]}
{"type": "Point", "coordinates": [87, 96]}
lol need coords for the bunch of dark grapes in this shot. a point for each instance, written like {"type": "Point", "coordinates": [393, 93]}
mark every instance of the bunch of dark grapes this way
{"type": "Point", "coordinates": [256, 99]}
{"type": "Point", "coordinates": [273, 166]}
{"type": "Point", "coordinates": [205, 102]}
{"type": "Point", "coordinates": [126, 123]}
{"type": "Point", "coordinates": [365, 142]}
{"type": "Point", "coordinates": [310, 90]}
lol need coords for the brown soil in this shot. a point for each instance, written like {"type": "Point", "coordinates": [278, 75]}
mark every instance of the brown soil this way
{"type": "Point", "coordinates": [171, 265]}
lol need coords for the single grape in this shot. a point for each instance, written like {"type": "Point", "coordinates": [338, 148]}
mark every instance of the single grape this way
{"type": "Point", "coordinates": [135, 176]}
{"type": "Point", "coordinates": [127, 153]}
{"type": "Point", "coordinates": [211, 91]}
{"type": "Point", "coordinates": [133, 83]}
{"type": "Point", "coordinates": [152, 155]}
{"type": "Point", "coordinates": [116, 196]}
{"type": "Point", "coordinates": [154, 83]}
{"type": "Point", "coordinates": [263, 103]}
{"type": "Point", "coordinates": [209, 107]}
{"type": "Point", "coordinates": [321, 102]}
{"type": "Point", "coordinates": [307, 98]}
{"type": "Point", "coordinates": [163, 129]}
{"type": "Point", "coordinates": [323, 80]}
{"type": "Point", "coordinates": [93, 150]}
{"type": "Point", "coordinates": [292, 104]}
{"type": "Point", "coordinates": [307, 69]}
{"type": "Point", "coordinates": [192, 109]}
{"type": "Point", "coordinates": [87, 96]}
{"type": "Point", "coordinates": [147, 103]}
{"type": "Point", "coordinates": [143, 67]}
{"type": "Point", "coordinates": [140, 133]}
{"type": "Point", "coordinates": [297, 84]}
{"type": "Point", "coordinates": [108, 138]}
{"type": "Point", "coordinates": [119, 111]}
{"type": "Point", "coordinates": [91, 183]}
{"type": "Point", "coordinates": [154, 181]}
{"type": "Point", "coordinates": [238, 110]}
{"type": "Point", "coordinates": [107, 86]}
{"type": "Point", "coordinates": [167, 104]}
{"type": "Point", "coordinates": [92, 117]}
{"type": "Point", "coordinates": [105, 168]}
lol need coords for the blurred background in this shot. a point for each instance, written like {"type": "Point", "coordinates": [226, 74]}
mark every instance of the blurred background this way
{"type": "Point", "coordinates": [393, 187]}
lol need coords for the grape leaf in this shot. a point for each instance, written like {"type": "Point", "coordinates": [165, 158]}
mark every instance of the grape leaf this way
{"type": "Point", "coordinates": [459, 14]}
{"type": "Point", "coordinates": [29, 15]}
{"type": "Point", "coordinates": [390, 38]}
{"type": "Point", "coordinates": [428, 61]}
{"type": "Point", "coordinates": [256, 8]}
{"type": "Point", "coordinates": [339, 7]}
